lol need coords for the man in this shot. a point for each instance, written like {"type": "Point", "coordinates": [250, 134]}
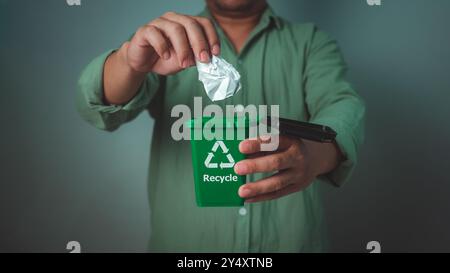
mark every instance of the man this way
{"type": "Point", "coordinates": [294, 66]}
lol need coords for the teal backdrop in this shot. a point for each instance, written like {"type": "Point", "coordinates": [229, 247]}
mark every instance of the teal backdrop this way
{"type": "Point", "coordinates": [62, 180]}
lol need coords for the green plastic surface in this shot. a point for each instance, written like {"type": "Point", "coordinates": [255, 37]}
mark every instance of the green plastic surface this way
{"type": "Point", "coordinates": [216, 183]}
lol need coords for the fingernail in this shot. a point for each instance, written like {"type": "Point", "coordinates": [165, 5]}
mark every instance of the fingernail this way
{"type": "Point", "coordinates": [243, 146]}
{"type": "Point", "coordinates": [240, 168]}
{"type": "Point", "coordinates": [166, 55]}
{"type": "Point", "coordinates": [244, 192]}
{"type": "Point", "coordinates": [204, 56]}
{"type": "Point", "coordinates": [215, 50]}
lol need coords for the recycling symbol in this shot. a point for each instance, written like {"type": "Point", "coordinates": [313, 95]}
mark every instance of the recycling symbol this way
{"type": "Point", "coordinates": [222, 165]}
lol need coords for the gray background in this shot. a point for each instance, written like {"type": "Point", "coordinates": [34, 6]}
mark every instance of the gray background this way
{"type": "Point", "coordinates": [63, 180]}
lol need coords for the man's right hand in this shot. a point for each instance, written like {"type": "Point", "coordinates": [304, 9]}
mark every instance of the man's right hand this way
{"type": "Point", "coordinates": [164, 46]}
{"type": "Point", "coordinates": [171, 43]}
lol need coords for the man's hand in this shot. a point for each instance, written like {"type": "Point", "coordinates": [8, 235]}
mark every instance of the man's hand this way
{"type": "Point", "coordinates": [296, 163]}
{"type": "Point", "coordinates": [164, 46]}
{"type": "Point", "coordinates": [171, 43]}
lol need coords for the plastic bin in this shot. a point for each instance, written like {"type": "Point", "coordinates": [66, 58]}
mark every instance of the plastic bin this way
{"type": "Point", "coordinates": [213, 160]}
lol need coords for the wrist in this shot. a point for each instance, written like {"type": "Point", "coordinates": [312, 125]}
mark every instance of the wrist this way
{"type": "Point", "coordinates": [122, 58]}
{"type": "Point", "coordinates": [120, 82]}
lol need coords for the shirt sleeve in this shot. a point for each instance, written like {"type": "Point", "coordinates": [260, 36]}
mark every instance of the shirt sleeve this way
{"type": "Point", "coordinates": [90, 103]}
{"type": "Point", "coordinates": [332, 101]}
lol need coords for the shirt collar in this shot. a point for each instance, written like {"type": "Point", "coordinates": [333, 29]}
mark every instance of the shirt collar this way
{"type": "Point", "coordinates": [270, 16]}
{"type": "Point", "coordinates": [267, 17]}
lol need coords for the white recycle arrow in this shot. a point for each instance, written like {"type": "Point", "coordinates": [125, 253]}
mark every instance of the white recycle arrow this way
{"type": "Point", "coordinates": [222, 165]}
{"type": "Point", "coordinates": [222, 145]}
{"type": "Point", "coordinates": [208, 163]}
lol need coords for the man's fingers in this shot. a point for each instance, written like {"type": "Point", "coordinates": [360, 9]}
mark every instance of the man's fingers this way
{"type": "Point", "coordinates": [275, 195]}
{"type": "Point", "coordinates": [253, 145]}
{"type": "Point", "coordinates": [176, 33]}
{"type": "Point", "coordinates": [284, 158]}
{"type": "Point", "coordinates": [271, 184]}
{"type": "Point", "coordinates": [211, 34]}
{"type": "Point", "coordinates": [190, 37]}
{"type": "Point", "coordinates": [150, 35]}
{"type": "Point", "coordinates": [269, 163]}
{"type": "Point", "coordinates": [250, 146]}
{"type": "Point", "coordinates": [195, 33]}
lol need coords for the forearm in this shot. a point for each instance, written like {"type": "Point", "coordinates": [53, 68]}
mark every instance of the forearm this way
{"type": "Point", "coordinates": [120, 82]}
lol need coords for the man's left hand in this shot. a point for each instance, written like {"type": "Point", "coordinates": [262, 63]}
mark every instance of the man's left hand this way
{"type": "Point", "coordinates": [296, 164]}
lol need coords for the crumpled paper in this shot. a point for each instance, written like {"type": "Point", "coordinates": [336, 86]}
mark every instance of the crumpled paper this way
{"type": "Point", "coordinates": [220, 79]}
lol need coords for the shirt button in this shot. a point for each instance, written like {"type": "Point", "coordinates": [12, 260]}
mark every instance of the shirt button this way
{"type": "Point", "coordinates": [243, 211]}
{"type": "Point", "coordinates": [239, 61]}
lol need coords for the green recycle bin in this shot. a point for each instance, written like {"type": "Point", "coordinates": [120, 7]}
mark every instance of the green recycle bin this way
{"type": "Point", "coordinates": [213, 160]}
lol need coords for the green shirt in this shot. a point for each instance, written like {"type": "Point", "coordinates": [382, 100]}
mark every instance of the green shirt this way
{"type": "Point", "coordinates": [295, 66]}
